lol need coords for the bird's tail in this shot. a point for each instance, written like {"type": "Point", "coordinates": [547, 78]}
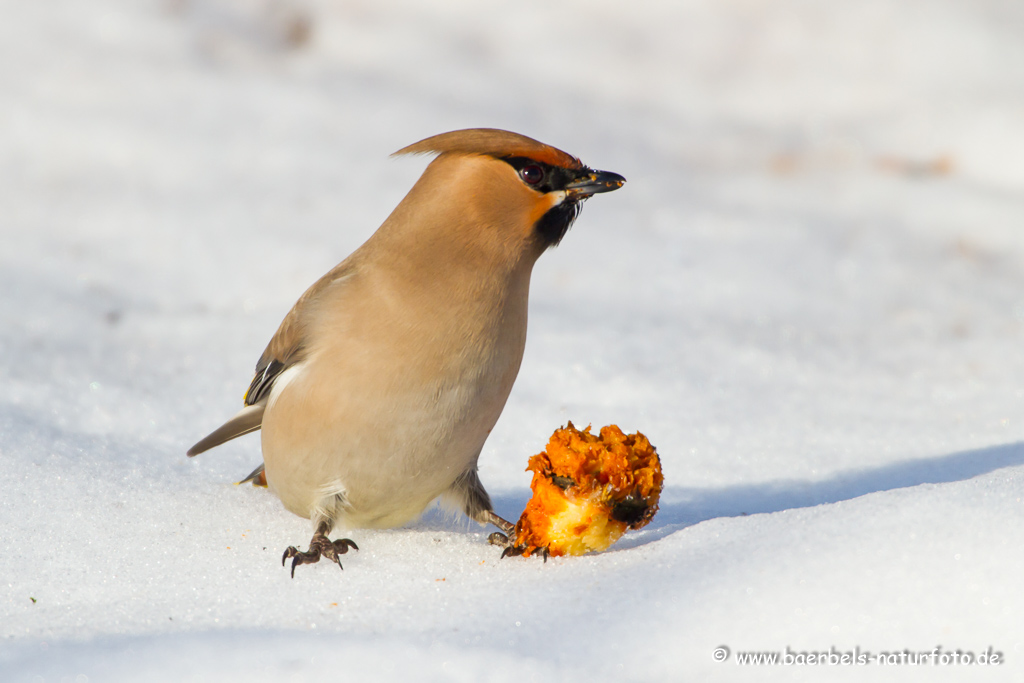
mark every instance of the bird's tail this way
{"type": "Point", "coordinates": [247, 420]}
{"type": "Point", "coordinates": [257, 477]}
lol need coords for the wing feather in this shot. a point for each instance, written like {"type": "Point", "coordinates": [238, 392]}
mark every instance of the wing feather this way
{"type": "Point", "coordinates": [247, 420]}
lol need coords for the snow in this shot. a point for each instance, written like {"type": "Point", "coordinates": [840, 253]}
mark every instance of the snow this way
{"type": "Point", "coordinates": [809, 295]}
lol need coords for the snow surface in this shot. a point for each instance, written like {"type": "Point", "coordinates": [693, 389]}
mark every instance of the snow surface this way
{"type": "Point", "coordinates": [809, 296]}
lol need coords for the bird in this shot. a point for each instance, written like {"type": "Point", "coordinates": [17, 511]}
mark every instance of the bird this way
{"type": "Point", "coordinates": [378, 390]}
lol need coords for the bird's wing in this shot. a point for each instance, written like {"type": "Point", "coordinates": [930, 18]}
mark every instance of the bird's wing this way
{"type": "Point", "coordinates": [267, 371]}
{"type": "Point", "coordinates": [286, 348]}
{"type": "Point", "coordinates": [247, 420]}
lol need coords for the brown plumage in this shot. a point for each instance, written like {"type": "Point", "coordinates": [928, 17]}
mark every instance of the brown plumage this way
{"type": "Point", "coordinates": [380, 386]}
{"type": "Point", "coordinates": [492, 142]}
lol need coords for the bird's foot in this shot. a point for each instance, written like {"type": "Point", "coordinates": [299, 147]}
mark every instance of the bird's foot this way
{"type": "Point", "coordinates": [518, 550]}
{"type": "Point", "coordinates": [513, 550]}
{"type": "Point", "coordinates": [319, 546]}
{"type": "Point", "coordinates": [498, 538]}
{"type": "Point", "coordinates": [506, 538]}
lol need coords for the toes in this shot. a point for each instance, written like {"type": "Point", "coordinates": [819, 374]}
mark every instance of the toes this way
{"type": "Point", "coordinates": [511, 551]}
{"type": "Point", "coordinates": [498, 538]}
{"type": "Point", "coordinates": [342, 545]}
{"type": "Point", "coordinates": [299, 557]}
{"type": "Point", "coordinates": [519, 550]}
{"type": "Point", "coordinates": [319, 547]}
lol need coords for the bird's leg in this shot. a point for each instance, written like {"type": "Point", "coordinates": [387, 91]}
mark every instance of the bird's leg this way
{"type": "Point", "coordinates": [489, 517]}
{"type": "Point", "coordinates": [503, 537]}
{"type": "Point", "coordinates": [468, 492]}
{"type": "Point", "coordinates": [506, 538]}
{"type": "Point", "coordinates": [319, 546]}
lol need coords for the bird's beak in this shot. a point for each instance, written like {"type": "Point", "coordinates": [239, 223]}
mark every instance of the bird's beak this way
{"type": "Point", "coordinates": [594, 182]}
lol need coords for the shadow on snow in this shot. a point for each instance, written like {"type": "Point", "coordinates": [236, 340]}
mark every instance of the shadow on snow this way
{"type": "Point", "coordinates": [682, 506]}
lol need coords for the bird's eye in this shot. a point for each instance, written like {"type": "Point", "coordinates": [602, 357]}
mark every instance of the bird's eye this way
{"type": "Point", "coordinates": [532, 174]}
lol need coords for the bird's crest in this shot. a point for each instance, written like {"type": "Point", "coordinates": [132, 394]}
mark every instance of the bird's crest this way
{"type": "Point", "coordinates": [492, 142]}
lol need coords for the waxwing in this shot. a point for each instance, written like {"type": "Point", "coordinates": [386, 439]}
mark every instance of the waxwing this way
{"type": "Point", "coordinates": [379, 388]}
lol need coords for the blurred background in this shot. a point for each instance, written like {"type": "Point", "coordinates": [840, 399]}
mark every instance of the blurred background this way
{"type": "Point", "coordinates": [821, 226]}
{"type": "Point", "coordinates": [809, 290]}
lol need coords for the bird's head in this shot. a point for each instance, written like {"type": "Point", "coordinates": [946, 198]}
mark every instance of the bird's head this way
{"type": "Point", "coordinates": [507, 187]}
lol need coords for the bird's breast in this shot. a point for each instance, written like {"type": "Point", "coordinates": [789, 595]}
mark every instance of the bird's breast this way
{"type": "Point", "coordinates": [393, 403]}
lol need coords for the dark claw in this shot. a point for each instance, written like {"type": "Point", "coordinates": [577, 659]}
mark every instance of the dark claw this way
{"type": "Point", "coordinates": [511, 551]}
{"type": "Point", "coordinates": [342, 545]}
{"type": "Point", "coordinates": [319, 546]}
{"type": "Point", "coordinates": [518, 550]}
{"type": "Point", "coordinates": [299, 557]}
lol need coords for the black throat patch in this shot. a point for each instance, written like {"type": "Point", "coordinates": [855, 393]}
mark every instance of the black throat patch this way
{"type": "Point", "coordinates": [552, 226]}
